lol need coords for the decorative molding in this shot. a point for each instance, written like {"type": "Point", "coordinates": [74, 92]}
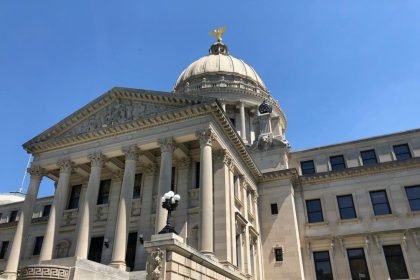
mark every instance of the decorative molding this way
{"type": "Point", "coordinates": [155, 262]}
{"type": "Point", "coordinates": [44, 272]}
{"type": "Point", "coordinates": [96, 159]}
{"type": "Point", "coordinates": [36, 171]}
{"type": "Point", "coordinates": [205, 137]}
{"type": "Point", "coordinates": [131, 152]}
{"type": "Point", "coordinates": [167, 145]}
{"type": "Point", "coordinates": [66, 166]}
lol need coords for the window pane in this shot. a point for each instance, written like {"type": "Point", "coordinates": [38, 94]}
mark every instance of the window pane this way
{"type": "Point", "coordinates": [104, 192]}
{"type": "Point", "coordinates": [137, 186]}
{"type": "Point", "coordinates": [358, 265]}
{"type": "Point", "coordinates": [315, 217]}
{"type": "Point", "coordinates": [379, 197]}
{"type": "Point", "coordinates": [278, 254]}
{"type": "Point", "coordinates": [345, 201]}
{"type": "Point", "coordinates": [4, 246]}
{"type": "Point", "coordinates": [413, 196]}
{"type": "Point", "coordinates": [381, 209]}
{"type": "Point", "coordinates": [402, 152]}
{"type": "Point", "coordinates": [314, 211]}
{"type": "Point", "coordinates": [323, 266]}
{"type": "Point", "coordinates": [368, 157]}
{"type": "Point", "coordinates": [308, 167]}
{"type": "Point", "coordinates": [46, 210]}
{"type": "Point", "coordinates": [274, 209]}
{"type": "Point", "coordinates": [395, 262]}
{"type": "Point", "coordinates": [337, 162]}
{"type": "Point", "coordinates": [38, 245]}
{"type": "Point", "coordinates": [13, 216]}
{"type": "Point", "coordinates": [74, 197]}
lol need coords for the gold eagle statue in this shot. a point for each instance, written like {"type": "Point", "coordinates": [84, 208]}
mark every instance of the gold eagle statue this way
{"type": "Point", "coordinates": [217, 33]}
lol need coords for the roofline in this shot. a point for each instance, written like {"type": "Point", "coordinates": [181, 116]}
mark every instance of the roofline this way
{"type": "Point", "coordinates": [410, 131]}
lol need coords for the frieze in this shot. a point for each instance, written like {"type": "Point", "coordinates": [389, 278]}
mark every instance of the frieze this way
{"type": "Point", "coordinates": [118, 112]}
{"type": "Point", "coordinates": [44, 272]}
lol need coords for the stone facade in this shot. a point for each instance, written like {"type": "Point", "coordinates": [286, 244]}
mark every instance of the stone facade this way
{"type": "Point", "coordinates": [251, 208]}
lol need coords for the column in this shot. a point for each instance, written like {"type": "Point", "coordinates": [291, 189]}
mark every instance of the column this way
{"type": "Point", "coordinates": [124, 209]}
{"type": "Point", "coordinates": [88, 208]}
{"type": "Point", "coordinates": [165, 175]}
{"type": "Point", "coordinates": [56, 212]}
{"type": "Point", "coordinates": [222, 208]}
{"type": "Point", "coordinates": [206, 192]}
{"type": "Point", "coordinates": [25, 219]}
{"type": "Point", "coordinates": [145, 225]}
{"type": "Point", "coordinates": [243, 125]}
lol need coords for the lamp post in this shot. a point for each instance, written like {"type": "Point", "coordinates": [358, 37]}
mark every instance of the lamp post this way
{"type": "Point", "coordinates": [169, 202]}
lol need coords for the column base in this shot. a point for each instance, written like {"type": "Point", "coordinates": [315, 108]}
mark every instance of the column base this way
{"type": "Point", "coordinates": [9, 275]}
{"type": "Point", "coordinates": [118, 265]}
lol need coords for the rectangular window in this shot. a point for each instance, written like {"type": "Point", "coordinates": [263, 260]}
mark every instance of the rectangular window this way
{"type": "Point", "coordinates": [274, 209]}
{"type": "Point", "coordinates": [74, 197]}
{"type": "Point", "coordinates": [380, 203]}
{"type": "Point", "coordinates": [337, 162]}
{"type": "Point", "coordinates": [232, 120]}
{"type": "Point", "coordinates": [130, 255]}
{"type": "Point", "coordinates": [358, 266]}
{"type": "Point", "coordinates": [173, 178]}
{"type": "Point", "coordinates": [395, 262]}
{"type": "Point", "coordinates": [323, 266]}
{"type": "Point", "coordinates": [137, 186]}
{"type": "Point", "coordinates": [95, 249]}
{"type": "Point", "coordinates": [369, 157]}
{"type": "Point", "coordinates": [402, 152]}
{"type": "Point", "coordinates": [3, 250]}
{"type": "Point", "coordinates": [236, 186]}
{"type": "Point", "coordinates": [314, 210]}
{"type": "Point", "coordinates": [278, 253]}
{"type": "Point", "coordinates": [46, 211]}
{"type": "Point", "coordinates": [103, 195]}
{"type": "Point", "coordinates": [197, 174]}
{"type": "Point", "coordinates": [346, 207]}
{"type": "Point", "coordinates": [13, 216]}
{"type": "Point", "coordinates": [38, 245]}
{"type": "Point", "coordinates": [308, 167]}
{"type": "Point", "coordinates": [413, 196]}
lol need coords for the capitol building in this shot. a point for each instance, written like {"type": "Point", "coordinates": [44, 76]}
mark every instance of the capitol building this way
{"type": "Point", "coordinates": [250, 206]}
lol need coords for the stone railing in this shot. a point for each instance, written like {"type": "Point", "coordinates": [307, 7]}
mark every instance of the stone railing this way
{"type": "Point", "coordinates": [44, 272]}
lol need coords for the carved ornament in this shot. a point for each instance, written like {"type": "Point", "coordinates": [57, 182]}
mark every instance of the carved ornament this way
{"type": "Point", "coordinates": [205, 137]}
{"type": "Point", "coordinates": [66, 166]}
{"type": "Point", "coordinates": [97, 159]}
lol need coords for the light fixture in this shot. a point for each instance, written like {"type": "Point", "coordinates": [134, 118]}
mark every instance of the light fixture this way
{"type": "Point", "coordinates": [106, 242]}
{"type": "Point", "coordinates": [141, 239]}
{"type": "Point", "coordinates": [169, 202]}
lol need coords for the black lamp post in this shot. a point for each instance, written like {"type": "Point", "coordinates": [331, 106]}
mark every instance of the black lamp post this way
{"type": "Point", "coordinates": [169, 202]}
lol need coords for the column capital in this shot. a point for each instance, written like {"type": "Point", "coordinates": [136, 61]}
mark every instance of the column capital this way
{"type": "Point", "coordinates": [36, 171]}
{"type": "Point", "coordinates": [205, 137]}
{"type": "Point", "coordinates": [166, 145]}
{"type": "Point", "coordinates": [66, 166]}
{"type": "Point", "coordinates": [97, 159]}
{"type": "Point", "coordinates": [224, 157]}
{"type": "Point", "coordinates": [131, 152]}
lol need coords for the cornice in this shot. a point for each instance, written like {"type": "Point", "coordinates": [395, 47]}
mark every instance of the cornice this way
{"type": "Point", "coordinates": [107, 98]}
{"type": "Point", "coordinates": [290, 173]}
{"type": "Point", "coordinates": [359, 171]}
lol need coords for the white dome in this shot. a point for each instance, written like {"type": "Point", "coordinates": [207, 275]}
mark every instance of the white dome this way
{"type": "Point", "coordinates": [6, 198]}
{"type": "Point", "coordinates": [220, 64]}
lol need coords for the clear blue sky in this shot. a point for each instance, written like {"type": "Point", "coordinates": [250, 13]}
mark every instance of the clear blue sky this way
{"type": "Point", "coordinates": [342, 70]}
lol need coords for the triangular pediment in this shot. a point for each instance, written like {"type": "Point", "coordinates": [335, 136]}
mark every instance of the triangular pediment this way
{"type": "Point", "coordinates": [116, 108]}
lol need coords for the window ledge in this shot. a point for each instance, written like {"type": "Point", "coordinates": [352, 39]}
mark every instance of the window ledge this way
{"type": "Point", "coordinates": [71, 210]}
{"type": "Point", "coordinates": [319, 224]}
{"type": "Point", "coordinates": [385, 217]}
{"type": "Point", "coordinates": [413, 214]}
{"type": "Point", "coordinates": [349, 221]}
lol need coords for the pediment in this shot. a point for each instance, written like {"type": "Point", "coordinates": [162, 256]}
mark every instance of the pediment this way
{"type": "Point", "coordinates": [116, 108]}
{"type": "Point", "coordinates": [118, 112]}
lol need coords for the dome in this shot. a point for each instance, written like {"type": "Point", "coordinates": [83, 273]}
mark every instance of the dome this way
{"type": "Point", "coordinates": [218, 69]}
{"type": "Point", "coordinates": [220, 64]}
